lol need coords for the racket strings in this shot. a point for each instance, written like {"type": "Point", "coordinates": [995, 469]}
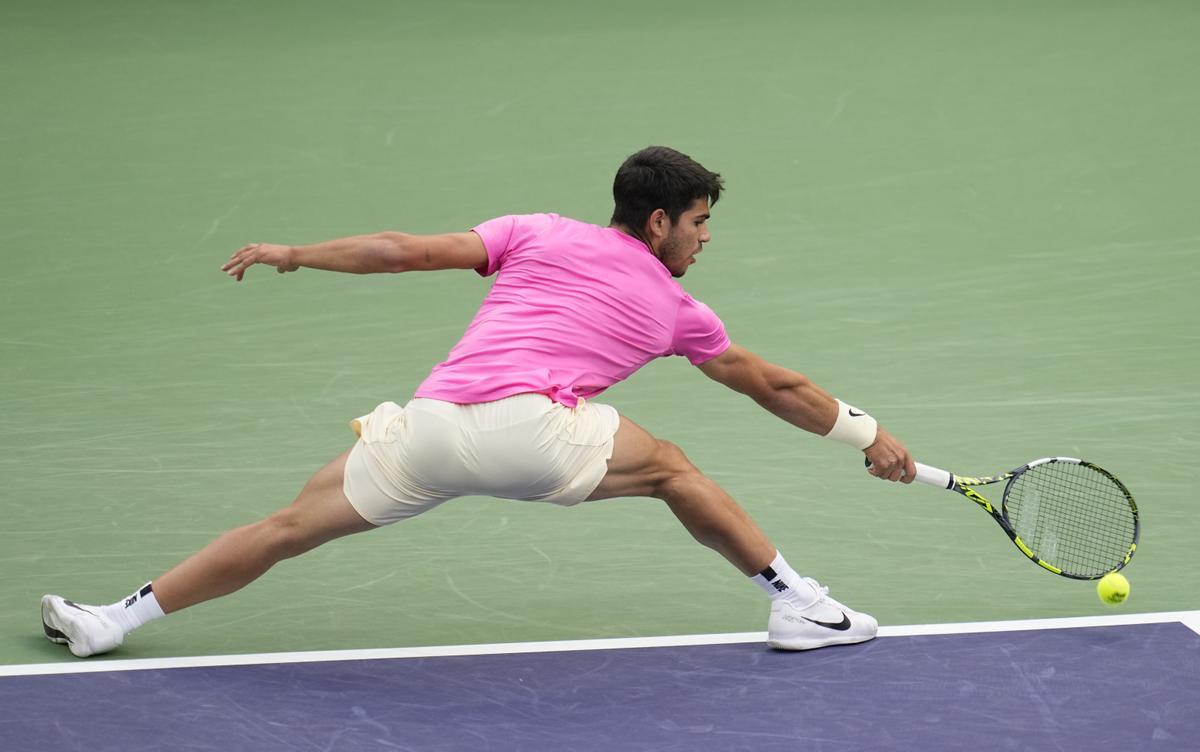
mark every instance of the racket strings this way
{"type": "Point", "coordinates": [1072, 516]}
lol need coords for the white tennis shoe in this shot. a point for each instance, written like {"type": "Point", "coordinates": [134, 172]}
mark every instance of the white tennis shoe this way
{"type": "Point", "coordinates": [84, 629]}
{"type": "Point", "coordinates": [823, 622]}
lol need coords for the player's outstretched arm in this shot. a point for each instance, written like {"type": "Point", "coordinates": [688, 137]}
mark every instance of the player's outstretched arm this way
{"type": "Point", "coordinates": [366, 254]}
{"type": "Point", "coordinates": [794, 398]}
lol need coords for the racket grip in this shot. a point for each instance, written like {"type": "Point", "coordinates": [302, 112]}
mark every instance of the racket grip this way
{"type": "Point", "coordinates": [930, 475]}
{"type": "Point", "coordinates": [933, 476]}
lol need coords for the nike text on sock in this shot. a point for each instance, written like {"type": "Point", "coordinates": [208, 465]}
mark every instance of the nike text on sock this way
{"type": "Point", "coordinates": [132, 612]}
{"type": "Point", "coordinates": [780, 581]}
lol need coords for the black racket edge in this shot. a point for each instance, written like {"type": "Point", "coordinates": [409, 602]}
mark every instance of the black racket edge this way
{"type": "Point", "coordinates": [1002, 516]}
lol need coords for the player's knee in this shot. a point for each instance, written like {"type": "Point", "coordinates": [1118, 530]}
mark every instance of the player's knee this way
{"type": "Point", "coordinates": [674, 471]}
{"type": "Point", "coordinates": [284, 534]}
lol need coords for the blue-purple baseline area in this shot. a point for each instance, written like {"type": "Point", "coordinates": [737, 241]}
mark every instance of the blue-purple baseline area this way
{"type": "Point", "coordinates": [1134, 687]}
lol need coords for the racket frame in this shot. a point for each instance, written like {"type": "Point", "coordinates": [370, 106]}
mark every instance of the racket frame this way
{"type": "Point", "coordinates": [965, 485]}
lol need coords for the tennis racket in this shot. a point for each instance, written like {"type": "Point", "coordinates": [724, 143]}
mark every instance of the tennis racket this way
{"type": "Point", "coordinates": [1067, 515]}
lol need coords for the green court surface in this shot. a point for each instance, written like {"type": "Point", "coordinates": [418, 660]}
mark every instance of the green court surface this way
{"type": "Point", "coordinates": [977, 220]}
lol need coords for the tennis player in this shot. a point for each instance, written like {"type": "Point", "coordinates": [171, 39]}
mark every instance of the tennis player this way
{"type": "Point", "coordinates": [575, 308]}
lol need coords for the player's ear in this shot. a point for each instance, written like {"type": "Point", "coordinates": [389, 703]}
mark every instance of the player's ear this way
{"type": "Point", "coordinates": [658, 224]}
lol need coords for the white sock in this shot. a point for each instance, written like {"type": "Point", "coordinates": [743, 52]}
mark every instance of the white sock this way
{"type": "Point", "coordinates": [136, 610]}
{"type": "Point", "coordinates": [779, 580]}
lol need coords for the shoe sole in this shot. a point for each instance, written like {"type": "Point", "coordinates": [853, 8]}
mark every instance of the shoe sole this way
{"type": "Point", "coordinates": [51, 624]}
{"type": "Point", "coordinates": [814, 644]}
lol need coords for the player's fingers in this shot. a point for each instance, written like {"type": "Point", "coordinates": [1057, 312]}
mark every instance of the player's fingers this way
{"type": "Point", "coordinates": [910, 470]}
{"type": "Point", "coordinates": [235, 259]}
{"type": "Point", "coordinates": [246, 261]}
{"type": "Point", "coordinates": [884, 472]}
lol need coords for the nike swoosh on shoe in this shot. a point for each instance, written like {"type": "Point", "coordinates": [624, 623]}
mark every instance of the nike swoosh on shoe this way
{"type": "Point", "coordinates": [840, 626]}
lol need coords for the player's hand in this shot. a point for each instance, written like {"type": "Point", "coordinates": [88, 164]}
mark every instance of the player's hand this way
{"type": "Point", "coordinates": [889, 459]}
{"type": "Point", "coordinates": [278, 256]}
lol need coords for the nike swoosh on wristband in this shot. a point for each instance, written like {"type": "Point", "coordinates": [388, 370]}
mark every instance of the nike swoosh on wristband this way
{"type": "Point", "coordinates": [854, 414]}
{"type": "Point", "coordinates": [841, 626]}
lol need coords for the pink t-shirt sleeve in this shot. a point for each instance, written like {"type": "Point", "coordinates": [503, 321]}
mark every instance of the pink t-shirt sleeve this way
{"type": "Point", "coordinates": [699, 333]}
{"type": "Point", "coordinates": [505, 236]}
{"type": "Point", "coordinates": [497, 236]}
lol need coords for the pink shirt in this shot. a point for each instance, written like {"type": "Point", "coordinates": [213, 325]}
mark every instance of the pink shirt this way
{"type": "Point", "coordinates": [574, 309]}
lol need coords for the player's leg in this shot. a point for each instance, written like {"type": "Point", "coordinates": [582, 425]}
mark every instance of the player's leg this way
{"type": "Point", "coordinates": [642, 465]}
{"type": "Point", "coordinates": [803, 616]}
{"type": "Point", "coordinates": [319, 514]}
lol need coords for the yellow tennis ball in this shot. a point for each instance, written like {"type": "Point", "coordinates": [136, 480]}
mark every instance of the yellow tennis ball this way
{"type": "Point", "coordinates": [1113, 588]}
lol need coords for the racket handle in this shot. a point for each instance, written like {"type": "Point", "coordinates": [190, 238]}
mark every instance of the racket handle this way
{"type": "Point", "coordinates": [930, 475]}
{"type": "Point", "coordinates": [933, 476]}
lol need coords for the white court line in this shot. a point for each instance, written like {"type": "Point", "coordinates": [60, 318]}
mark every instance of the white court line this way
{"type": "Point", "coordinates": [1190, 619]}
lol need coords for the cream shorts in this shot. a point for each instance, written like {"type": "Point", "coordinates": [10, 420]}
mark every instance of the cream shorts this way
{"type": "Point", "coordinates": [410, 459]}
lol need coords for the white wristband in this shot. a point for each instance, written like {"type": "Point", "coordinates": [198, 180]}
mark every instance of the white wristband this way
{"type": "Point", "coordinates": [853, 427]}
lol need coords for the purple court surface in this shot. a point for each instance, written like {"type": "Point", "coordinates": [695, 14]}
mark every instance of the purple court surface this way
{"type": "Point", "coordinates": [1126, 687]}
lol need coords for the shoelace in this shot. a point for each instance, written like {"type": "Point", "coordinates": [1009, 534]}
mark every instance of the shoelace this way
{"type": "Point", "coordinates": [822, 589]}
